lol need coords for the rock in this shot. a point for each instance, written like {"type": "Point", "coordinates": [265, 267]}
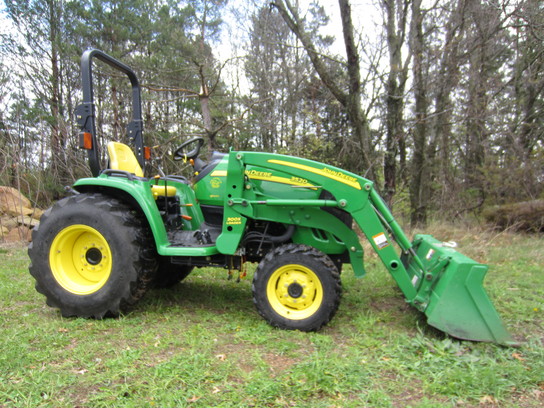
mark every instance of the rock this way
{"type": "Point", "coordinates": [37, 213]}
{"type": "Point", "coordinates": [17, 211]}
{"type": "Point", "coordinates": [18, 234]}
{"type": "Point", "coordinates": [18, 216]}
{"type": "Point", "coordinates": [8, 222]}
{"type": "Point", "coordinates": [26, 220]}
{"type": "Point", "coordinates": [12, 198]}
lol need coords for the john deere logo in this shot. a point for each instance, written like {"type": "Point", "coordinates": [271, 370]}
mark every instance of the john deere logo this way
{"type": "Point", "coordinates": [215, 182]}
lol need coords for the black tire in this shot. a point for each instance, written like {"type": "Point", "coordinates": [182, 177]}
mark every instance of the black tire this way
{"type": "Point", "coordinates": [170, 274]}
{"type": "Point", "coordinates": [92, 256]}
{"type": "Point", "coordinates": [337, 262]}
{"type": "Point", "coordinates": [296, 287]}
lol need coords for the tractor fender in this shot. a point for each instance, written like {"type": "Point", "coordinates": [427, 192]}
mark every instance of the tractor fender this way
{"type": "Point", "coordinates": [135, 193]}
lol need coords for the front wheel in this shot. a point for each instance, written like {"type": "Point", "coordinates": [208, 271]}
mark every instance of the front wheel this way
{"type": "Point", "coordinates": [91, 256]}
{"type": "Point", "coordinates": [296, 287]}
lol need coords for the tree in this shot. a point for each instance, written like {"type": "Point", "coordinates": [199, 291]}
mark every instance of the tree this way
{"type": "Point", "coordinates": [457, 87]}
{"type": "Point", "coordinates": [40, 24]}
{"type": "Point", "coordinates": [5, 154]}
{"type": "Point", "coordinates": [208, 17]}
{"type": "Point", "coordinates": [521, 150]}
{"type": "Point", "coordinates": [350, 100]}
{"type": "Point", "coordinates": [269, 65]}
{"type": "Point", "coordinates": [419, 181]}
{"type": "Point", "coordinates": [396, 21]}
{"type": "Point", "coordinates": [450, 55]}
{"type": "Point", "coordinates": [289, 101]}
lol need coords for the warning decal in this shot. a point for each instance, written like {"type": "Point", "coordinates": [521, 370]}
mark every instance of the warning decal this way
{"type": "Point", "coordinates": [380, 240]}
{"type": "Point", "coordinates": [429, 254]}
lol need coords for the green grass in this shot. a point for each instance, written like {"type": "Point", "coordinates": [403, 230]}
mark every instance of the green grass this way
{"type": "Point", "coordinates": [202, 344]}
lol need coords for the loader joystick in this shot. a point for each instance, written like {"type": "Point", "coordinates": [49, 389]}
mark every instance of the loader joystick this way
{"type": "Point", "coordinates": [180, 154]}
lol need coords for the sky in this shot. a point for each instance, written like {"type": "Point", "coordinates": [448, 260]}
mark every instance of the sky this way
{"type": "Point", "coordinates": [365, 15]}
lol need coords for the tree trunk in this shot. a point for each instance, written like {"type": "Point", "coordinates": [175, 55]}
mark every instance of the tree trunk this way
{"type": "Point", "coordinates": [486, 50]}
{"type": "Point", "coordinates": [58, 138]}
{"type": "Point", "coordinates": [419, 187]}
{"type": "Point", "coordinates": [448, 78]}
{"type": "Point", "coordinates": [394, 93]}
{"type": "Point", "coordinates": [204, 97]}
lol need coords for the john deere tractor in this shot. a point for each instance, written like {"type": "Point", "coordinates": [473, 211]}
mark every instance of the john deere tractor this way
{"type": "Point", "coordinates": [96, 252]}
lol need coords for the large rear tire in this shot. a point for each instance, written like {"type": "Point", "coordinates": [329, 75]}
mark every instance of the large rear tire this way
{"type": "Point", "coordinates": [296, 287]}
{"type": "Point", "coordinates": [92, 256]}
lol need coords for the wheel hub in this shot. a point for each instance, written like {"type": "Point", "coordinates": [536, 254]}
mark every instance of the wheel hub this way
{"type": "Point", "coordinates": [294, 291]}
{"type": "Point", "coordinates": [80, 259]}
{"type": "Point", "coordinates": [93, 256]}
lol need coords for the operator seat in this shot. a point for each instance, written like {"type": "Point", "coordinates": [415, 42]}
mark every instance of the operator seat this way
{"type": "Point", "coordinates": [122, 158]}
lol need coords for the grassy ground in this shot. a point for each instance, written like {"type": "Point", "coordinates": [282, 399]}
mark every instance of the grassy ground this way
{"type": "Point", "coordinates": [202, 344]}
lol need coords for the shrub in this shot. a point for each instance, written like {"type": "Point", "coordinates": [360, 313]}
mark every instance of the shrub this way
{"type": "Point", "coordinates": [525, 216]}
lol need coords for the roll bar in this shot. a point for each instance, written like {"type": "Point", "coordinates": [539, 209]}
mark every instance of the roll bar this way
{"type": "Point", "coordinates": [85, 112]}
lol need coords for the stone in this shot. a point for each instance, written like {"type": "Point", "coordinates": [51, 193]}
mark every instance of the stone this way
{"type": "Point", "coordinates": [19, 234]}
{"type": "Point", "coordinates": [12, 198]}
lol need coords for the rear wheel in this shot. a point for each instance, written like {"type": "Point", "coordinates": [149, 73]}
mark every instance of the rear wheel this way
{"type": "Point", "coordinates": [91, 256]}
{"type": "Point", "coordinates": [296, 287]}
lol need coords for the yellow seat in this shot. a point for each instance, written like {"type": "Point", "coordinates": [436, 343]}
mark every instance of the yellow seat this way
{"type": "Point", "coordinates": [122, 158]}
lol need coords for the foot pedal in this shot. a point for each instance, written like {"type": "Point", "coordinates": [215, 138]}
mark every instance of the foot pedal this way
{"type": "Point", "coordinates": [203, 237]}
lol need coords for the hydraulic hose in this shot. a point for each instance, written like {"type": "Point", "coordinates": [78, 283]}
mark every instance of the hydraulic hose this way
{"type": "Point", "coordinates": [284, 237]}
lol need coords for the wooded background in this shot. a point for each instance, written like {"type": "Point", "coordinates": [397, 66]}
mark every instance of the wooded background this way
{"type": "Point", "coordinates": [440, 102]}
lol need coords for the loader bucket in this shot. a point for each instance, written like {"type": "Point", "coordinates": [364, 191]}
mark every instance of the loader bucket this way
{"type": "Point", "coordinates": [456, 302]}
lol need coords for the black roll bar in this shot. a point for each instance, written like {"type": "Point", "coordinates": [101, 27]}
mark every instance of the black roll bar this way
{"type": "Point", "coordinates": [85, 112]}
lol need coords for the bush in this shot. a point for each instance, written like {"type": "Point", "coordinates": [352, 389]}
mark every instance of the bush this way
{"type": "Point", "coordinates": [527, 216]}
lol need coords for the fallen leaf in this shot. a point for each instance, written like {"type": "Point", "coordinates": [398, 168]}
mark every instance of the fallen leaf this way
{"type": "Point", "coordinates": [193, 399]}
{"type": "Point", "coordinates": [82, 371]}
{"type": "Point", "coordinates": [487, 399]}
{"type": "Point", "coordinates": [63, 330]}
{"type": "Point", "coordinates": [216, 390]}
{"type": "Point", "coordinates": [518, 356]}
{"type": "Point", "coordinates": [221, 357]}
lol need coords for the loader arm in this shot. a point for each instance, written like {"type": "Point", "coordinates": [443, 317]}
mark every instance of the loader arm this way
{"type": "Point", "coordinates": [434, 278]}
{"type": "Point", "coordinates": [353, 194]}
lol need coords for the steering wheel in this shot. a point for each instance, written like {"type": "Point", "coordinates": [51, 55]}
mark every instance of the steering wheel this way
{"type": "Point", "coordinates": [180, 154]}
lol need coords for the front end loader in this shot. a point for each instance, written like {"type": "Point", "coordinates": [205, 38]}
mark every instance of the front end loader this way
{"type": "Point", "coordinates": [96, 252]}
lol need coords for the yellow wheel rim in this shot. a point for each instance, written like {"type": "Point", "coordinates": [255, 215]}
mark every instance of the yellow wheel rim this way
{"type": "Point", "coordinates": [80, 259]}
{"type": "Point", "coordinates": [294, 292]}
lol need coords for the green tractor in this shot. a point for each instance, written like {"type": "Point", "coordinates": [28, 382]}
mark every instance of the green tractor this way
{"type": "Point", "coordinates": [96, 252]}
